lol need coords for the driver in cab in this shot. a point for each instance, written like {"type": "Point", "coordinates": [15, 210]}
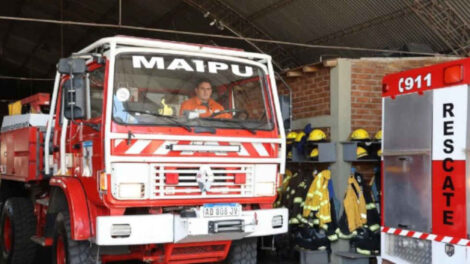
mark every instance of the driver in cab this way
{"type": "Point", "coordinates": [202, 105]}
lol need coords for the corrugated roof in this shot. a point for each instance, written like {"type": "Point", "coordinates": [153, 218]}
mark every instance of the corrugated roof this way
{"type": "Point", "coordinates": [33, 47]}
{"type": "Point", "coordinates": [385, 24]}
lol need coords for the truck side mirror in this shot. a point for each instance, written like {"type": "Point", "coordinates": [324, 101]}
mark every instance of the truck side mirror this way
{"type": "Point", "coordinates": [285, 110]}
{"type": "Point", "coordinates": [74, 88]}
{"type": "Point", "coordinates": [74, 95]}
{"type": "Point", "coordinates": [71, 66]}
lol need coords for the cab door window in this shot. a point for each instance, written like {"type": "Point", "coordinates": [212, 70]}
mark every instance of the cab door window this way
{"type": "Point", "coordinates": [96, 87]}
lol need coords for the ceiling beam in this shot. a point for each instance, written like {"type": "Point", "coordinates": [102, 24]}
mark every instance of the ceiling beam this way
{"type": "Point", "coordinates": [82, 40]}
{"type": "Point", "coordinates": [43, 36]}
{"type": "Point", "coordinates": [226, 17]}
{"type": "Point", "coordinates": [446, 23]}
{"type": "Point", "coordinates": [269, 9]}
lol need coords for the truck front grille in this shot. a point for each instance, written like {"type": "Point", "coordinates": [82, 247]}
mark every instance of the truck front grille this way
{"type": "Point", "coordinates": [223, 182]}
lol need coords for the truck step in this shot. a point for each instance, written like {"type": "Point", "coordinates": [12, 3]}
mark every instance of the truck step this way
{"type": "Point", "coordinates": [43, 241]}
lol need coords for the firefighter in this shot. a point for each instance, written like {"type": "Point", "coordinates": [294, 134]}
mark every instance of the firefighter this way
{"type": "Point", "coordinates": [202, 103]}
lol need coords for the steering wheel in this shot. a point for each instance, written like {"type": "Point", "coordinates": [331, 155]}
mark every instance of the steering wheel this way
{"type": "Point", "coordinates": [229, 111]}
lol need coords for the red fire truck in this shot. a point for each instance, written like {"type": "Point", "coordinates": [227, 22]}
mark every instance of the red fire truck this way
{"type": "Point", "coordinates": [119, 170]}
{"type": "Point", "coordinates": [426, 177]}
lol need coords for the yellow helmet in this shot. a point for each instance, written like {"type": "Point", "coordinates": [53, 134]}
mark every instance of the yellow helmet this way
{"type": "Point", "coordinates": [314, 153]}
{"type": "Point", "coordinates": [378, 135]}
{"type": "Point", "coordinates": [316, 135]}
{"type": "Point", "coordinates": [299, 137]}
{"type": "Point", "coordinates": [291, 136]}
{"type": "Point", "coordinates": [289, 154]}
{"type": "Point", "coordinates": [361, 152]}
{"type": "Point", "coordinates": [359, 134]}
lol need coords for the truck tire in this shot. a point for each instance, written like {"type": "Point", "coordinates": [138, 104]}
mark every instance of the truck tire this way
{"type": "Point", "coordinates": [243, 251]}
{"type": "Point", "coordinates": [18, 225]}
{"type": "Point", "coordinates": [68, 251]}
{"type": "Point", "coordinates": [8, 190]}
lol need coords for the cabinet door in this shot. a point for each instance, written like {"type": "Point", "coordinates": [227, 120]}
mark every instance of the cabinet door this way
{"type": "Point", "coordinates": [407, 162]}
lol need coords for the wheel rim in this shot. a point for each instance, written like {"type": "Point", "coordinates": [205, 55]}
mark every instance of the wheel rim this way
{"type": "Point", "coordinates": [7, 234]}
{"type": "Point", "coordinates": [60, 251]}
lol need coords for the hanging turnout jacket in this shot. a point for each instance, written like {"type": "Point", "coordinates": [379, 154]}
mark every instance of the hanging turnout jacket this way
{"type": "Point", "coordinates": [318, 198]}
{"type": "Point", "coordinates": [355, 213]}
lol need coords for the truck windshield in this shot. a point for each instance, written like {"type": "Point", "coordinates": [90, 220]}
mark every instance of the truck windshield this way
{"type": "Point", "coordinates": [189, 91]}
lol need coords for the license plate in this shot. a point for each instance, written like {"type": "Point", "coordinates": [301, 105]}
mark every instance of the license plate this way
{"type": "Point", "coordinates": [218, 210]}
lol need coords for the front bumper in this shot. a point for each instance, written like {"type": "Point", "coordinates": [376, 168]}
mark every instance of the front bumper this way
{"type": "Point", "coordinates": [170, 228]}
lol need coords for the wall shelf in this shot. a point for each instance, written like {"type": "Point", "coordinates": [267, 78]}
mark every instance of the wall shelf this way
{"type": "Point", "coordinates": [326, 153]}
{"type": "Point", "coordinates": [350, 148]}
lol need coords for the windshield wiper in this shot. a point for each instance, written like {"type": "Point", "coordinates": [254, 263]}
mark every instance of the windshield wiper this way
{"type": "Point", "coordinates": [242, 125]}
{"type": "Point", "coordinates": [171, 118]}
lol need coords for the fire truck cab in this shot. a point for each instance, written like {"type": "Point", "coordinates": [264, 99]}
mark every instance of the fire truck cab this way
{"type": "Point", "coordinates": [426, 179]}
{"type": "Point", "coordinates": [137, 161]}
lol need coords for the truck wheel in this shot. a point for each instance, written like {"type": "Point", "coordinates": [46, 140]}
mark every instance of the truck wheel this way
{"type": "Point", "coordinates": [18, 225]}
{"type": "Point", "coordinates": [68, 251]}
{"type": "Point", "coordinates": [243, 251]}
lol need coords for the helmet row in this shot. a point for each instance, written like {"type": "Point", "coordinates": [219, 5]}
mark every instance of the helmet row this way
{"type": "Point", "coordinates": [362, 134]}
{"type": "Point", "coordinates": [319, 135]}
{"type": "Point", "coordinates": [315, 135]}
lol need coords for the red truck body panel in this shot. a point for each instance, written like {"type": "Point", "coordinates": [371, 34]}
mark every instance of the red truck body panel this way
{"type": "Point", "coordinates": [20, 159]}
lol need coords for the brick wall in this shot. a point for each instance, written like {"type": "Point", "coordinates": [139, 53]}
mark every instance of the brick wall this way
{"type": "Point", "coordinates": [366, 93]}
{"type": "Point", "coordinates": [366, 87]}
{"type": "Point", "coordinates": [310, 94]}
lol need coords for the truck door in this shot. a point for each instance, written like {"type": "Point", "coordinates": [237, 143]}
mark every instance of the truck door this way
{"type": "Point", "coordinates": [87, 146]}
{"type": "Point", "coordinates": [407, 161]}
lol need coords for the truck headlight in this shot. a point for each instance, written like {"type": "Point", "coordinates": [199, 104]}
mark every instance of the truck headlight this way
{"type": "Point", "coordinates": [131, 190]}
{"type": "Point", "coordinates": [265, 179]}
{"type": "Point", "coordinates": [130, 180]}
{"type": "Point", "coordinates": [264, 189]}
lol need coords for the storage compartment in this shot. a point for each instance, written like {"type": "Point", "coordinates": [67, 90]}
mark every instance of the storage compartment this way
{"type": "Point", "coordinates": [21, 153]}
{"type": "Point", "coordinates": [407, 162]}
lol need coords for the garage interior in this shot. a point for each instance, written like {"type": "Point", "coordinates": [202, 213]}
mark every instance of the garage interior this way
{"type": "Point", "coordinates": [330, 58]}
